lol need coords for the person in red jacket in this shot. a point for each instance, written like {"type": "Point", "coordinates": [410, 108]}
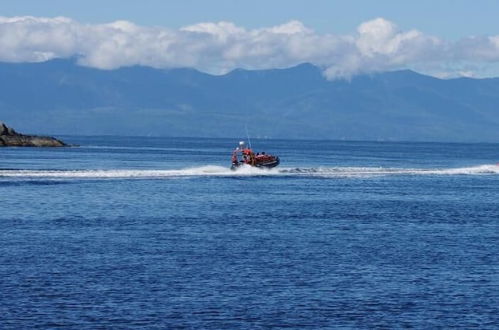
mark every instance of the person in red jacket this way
{"type": "Point", "coordinates": [250, 156]}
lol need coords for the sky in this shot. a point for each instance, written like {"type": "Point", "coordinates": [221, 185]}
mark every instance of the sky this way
{"type": "Point", "coordinates": [444, 38]}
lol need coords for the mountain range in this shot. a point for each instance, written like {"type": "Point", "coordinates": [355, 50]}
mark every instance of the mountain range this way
{"type": "Point", "coordinates": [61, 97]}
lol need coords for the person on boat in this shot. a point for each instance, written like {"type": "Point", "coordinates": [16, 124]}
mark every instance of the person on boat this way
{"type": "Point", "coordinates": [235, 153]}
{"type": "Point", "coordinates": [252, 159]}
{"type": "Point", "coordinates": [248, 156]}
{"type": "Point", "coordinates": [247, 151]}
{"type": "Point", "coordinates": [235, 161]}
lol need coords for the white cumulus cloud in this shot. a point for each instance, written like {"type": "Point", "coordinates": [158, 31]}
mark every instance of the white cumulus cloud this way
{"type": "Point", "coordinates": [218, 47]}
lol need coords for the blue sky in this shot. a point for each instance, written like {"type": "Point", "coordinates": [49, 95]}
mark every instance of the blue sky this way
{"type": "Point", "coordinates": [439, 37]}
{"type": "Point", "coordinates": [445, 18]}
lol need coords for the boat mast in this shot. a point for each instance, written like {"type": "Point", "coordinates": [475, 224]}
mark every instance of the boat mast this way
{"type": "Point", "coordinates": [247, 135]}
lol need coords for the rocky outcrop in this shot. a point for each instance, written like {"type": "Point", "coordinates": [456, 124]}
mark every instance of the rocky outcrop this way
{"type": "Point", "coordinates": [10, 138]}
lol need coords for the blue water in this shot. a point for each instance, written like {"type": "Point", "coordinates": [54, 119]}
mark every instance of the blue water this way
{"type": "Point", "coordinates": [157, 232]}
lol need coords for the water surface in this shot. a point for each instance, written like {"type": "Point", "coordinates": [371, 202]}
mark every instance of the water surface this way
{"type": "Point", "coordinates": [145, 232]}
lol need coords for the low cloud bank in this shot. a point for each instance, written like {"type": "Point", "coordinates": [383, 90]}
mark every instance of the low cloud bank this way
{"type": "Point", "coordinates": [377, 45]}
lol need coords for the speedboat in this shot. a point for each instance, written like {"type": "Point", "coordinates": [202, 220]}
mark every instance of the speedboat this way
{"type": "Point", "coordinates": [248, 157]}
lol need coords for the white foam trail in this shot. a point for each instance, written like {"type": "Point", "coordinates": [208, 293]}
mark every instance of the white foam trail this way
{"type": "Point", "coordinates": [386, 171]}
{"type": "Point", "coordinates": [212, 170]}
{"type": "Point", "coordinates": [481, 169]}
{"type": "Point", "coordinates": [209, 170]}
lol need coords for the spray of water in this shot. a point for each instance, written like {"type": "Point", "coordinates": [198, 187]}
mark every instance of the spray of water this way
{"type": "Point", "coordinates": [247, 171]}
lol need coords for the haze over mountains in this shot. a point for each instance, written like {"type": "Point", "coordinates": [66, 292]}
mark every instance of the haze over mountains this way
{"type": "Point", "coordinates": [60, 97]}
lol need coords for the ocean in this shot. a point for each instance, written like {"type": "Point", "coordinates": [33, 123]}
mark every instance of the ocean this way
{"type": "Point", "coordinates": [125, 232]}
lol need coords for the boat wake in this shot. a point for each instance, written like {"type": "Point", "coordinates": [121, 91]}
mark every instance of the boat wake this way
{"type": "Point", "coordinates": [390, 171]}
{"type": "Point", "coordinates": [244, 171]}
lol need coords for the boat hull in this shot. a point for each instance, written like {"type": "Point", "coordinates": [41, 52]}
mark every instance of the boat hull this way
{"type": "Point", "coordinates": [267, 164]}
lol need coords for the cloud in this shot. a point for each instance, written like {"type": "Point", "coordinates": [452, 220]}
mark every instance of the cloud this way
{"type": "Point", "coordinates": [377, 45]}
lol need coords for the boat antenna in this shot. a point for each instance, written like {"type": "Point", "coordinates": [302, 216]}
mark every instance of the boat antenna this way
{"type": "Point", "coordinates": [247, 135]}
